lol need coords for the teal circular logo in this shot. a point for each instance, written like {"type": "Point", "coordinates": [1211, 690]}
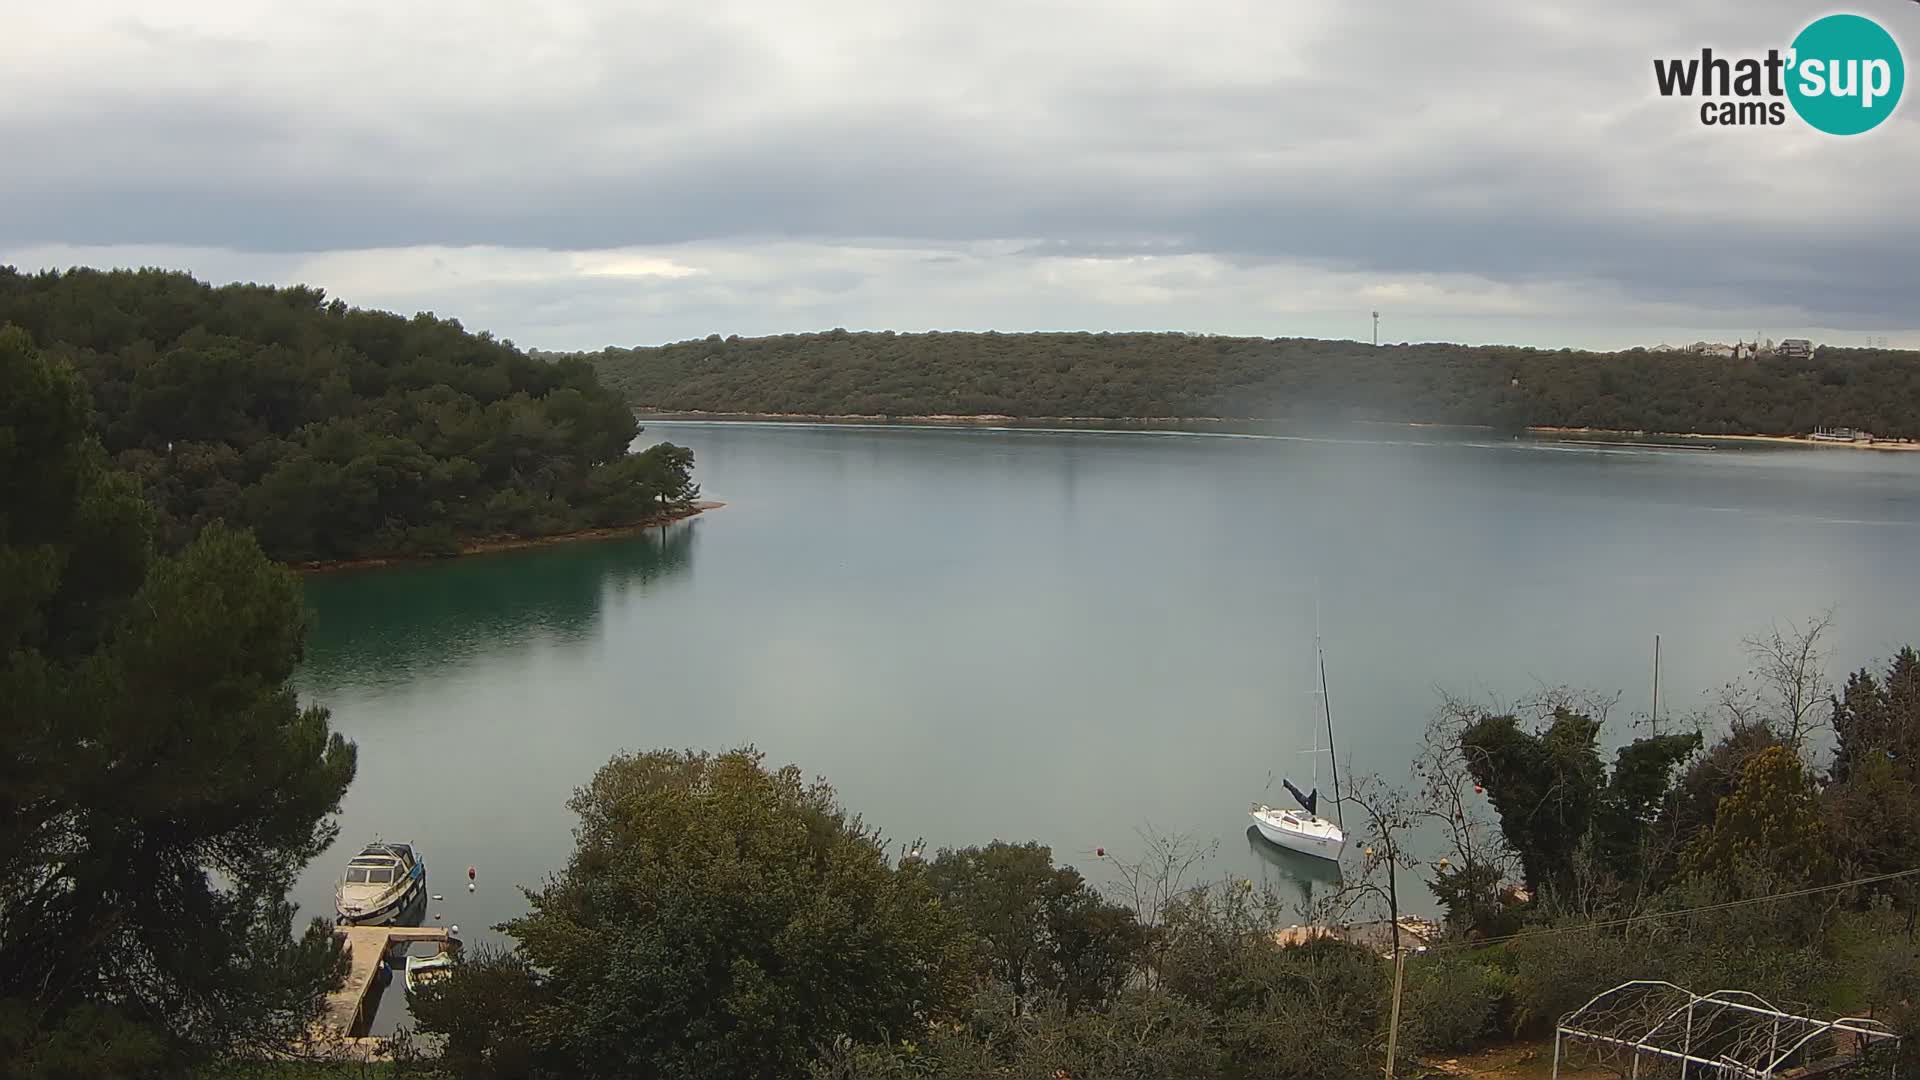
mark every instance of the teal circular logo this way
{"type": "Point", "coordinates": [1845, 75]}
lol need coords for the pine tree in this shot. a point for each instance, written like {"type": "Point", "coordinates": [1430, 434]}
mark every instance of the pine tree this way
{"type": "Point", "coordinates": [162, 786]}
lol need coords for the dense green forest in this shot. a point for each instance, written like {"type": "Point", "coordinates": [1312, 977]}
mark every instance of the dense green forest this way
{"type": "Point", "coordinates": [333, 432]}
{"type": "Point", "coordinates": [1182, 375]}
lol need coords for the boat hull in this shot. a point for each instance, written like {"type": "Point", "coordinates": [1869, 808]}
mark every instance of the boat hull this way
{"type": "Point", "coordinates": [1324, 847]}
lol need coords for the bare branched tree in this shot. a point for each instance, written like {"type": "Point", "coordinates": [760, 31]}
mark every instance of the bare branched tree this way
{"type": "Point", "coordinates": [1154, 882]}
{"type": "Point", "coordinates": [1448, 799]}
{"type": "Point", "coordinates": [1787, 687]}
{"type": "Point", "coordinates": [1547, 700]}
{"type": "Point", "coordinates": [1792, 670]}
{"type": "Point", "coordinates": [1386, 826]}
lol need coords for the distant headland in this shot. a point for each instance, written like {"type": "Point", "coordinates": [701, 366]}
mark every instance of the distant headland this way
{"type": "Point", "coordinates": [1795, 392]}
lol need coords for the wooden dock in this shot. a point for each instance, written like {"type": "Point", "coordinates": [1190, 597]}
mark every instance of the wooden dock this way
{"type": "Point", "coordinates": [346, 1015]}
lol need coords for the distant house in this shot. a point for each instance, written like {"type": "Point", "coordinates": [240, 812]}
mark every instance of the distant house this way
{"type": "Point", "coordinates": [1710, 348]}
{"type": "Point", "coordinates": [1795, 348]}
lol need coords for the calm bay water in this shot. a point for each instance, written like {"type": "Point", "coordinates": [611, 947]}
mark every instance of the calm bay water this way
{"type": "Point", "coordinates": [1064, 637]}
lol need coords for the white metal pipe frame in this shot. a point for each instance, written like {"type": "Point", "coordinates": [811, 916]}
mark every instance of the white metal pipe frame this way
{"type": "Point", "coordinates": [1727, 1033]}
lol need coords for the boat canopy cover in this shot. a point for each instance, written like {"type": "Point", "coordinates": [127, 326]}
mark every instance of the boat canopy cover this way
{"type": "Point", "coordinates": [1308, 801]}
{"type": "Point", "coordinates": [376, 851]}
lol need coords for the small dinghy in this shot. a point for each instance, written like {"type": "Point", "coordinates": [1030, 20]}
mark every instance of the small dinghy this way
{"type": "Point", "coordinates": [382, 883]}
{"type": "Point", "coordinates": [422, 970]}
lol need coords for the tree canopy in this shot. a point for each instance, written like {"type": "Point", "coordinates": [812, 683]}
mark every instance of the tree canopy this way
{"type": "Point", "coordinates": [1874, 788]}
{"type": "Point", "coordinates": [1145, 375]}
{"type": "Point", "coordinates": [1557, 802]}
{"type": "Point", "coordinates": [162, 786]}
{"type": "Point", "coordinates": [1769, 824]}
{"type": "Point", "coordinates": [333, 432]}
{"type": "Point", "coordinates": [1041, 927]}
{"type": "Point", "coordinates": [721, 919]}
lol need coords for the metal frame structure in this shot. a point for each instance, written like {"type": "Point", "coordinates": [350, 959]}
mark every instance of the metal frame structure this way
{"type": "Point", "coordinates": [1649, 1028]}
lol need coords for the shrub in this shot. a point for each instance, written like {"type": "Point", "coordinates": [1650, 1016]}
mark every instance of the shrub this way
{"type": "Point", "coordinates": [718, 919]}
{"type": "Point", "coordinates": [1453, 1002]}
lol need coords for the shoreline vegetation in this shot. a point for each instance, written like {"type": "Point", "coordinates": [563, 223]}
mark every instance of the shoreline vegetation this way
{"type": "Point", "coordinates": [336, 435]}
{"type": "Point", "coordinates": [1766, 844]}
{"type": "Point", "coordinates": [1158, 376]}
{"type": "Point", "coordinates": [1596, 435]}
{"type": "Point", "coordinates": [496, 545]}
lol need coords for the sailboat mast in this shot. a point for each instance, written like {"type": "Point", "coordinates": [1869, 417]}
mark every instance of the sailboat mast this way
{"type": "Point", "coordinates": [1327, 705]}
{"type": "Point", "coordinates": [1656, 684]}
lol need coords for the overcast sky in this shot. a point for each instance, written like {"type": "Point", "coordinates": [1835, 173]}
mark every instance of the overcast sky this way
{"type": "Point", "coordinates": [578, 173]}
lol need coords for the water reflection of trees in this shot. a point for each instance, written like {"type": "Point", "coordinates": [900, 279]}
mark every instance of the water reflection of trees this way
{"type": "Point", "coordinates": [388, 625]}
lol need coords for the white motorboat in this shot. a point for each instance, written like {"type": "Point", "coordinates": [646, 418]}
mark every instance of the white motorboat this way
{"type": "Point", "coordinates": [382, 885]}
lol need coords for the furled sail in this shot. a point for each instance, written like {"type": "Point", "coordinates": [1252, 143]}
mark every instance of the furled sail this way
{"type": "Point", "coordinates": [1308, 801]}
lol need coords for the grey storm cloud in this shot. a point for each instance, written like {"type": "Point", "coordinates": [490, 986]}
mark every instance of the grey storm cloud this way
{"type": "Point", "coordinates": [1520, 144]}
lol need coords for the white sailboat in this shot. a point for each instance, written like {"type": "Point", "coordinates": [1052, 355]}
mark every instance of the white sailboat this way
{"type": "Point", "coordinates": [1304, 830]}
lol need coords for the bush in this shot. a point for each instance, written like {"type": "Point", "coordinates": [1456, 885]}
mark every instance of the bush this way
{"type": "Point", "coordinates": [716, 919]}
{"type": "Point", "coordinates": [1138, 1035]}
{"type": "Point", "coordinates": [1554, 974]}
{"type": "Point", "coordinates": [1453, 1002]}
{"type": "Point", "coordinates": [1040, 928]}
{"type": "Point", "coordinates": [483, 1013]}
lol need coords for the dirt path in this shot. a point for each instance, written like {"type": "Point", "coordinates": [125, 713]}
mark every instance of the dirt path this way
{"type": "Point", "coordinates": [1523, 1061]}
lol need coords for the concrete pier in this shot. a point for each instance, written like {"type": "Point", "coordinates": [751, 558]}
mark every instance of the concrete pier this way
{"type": "Point", "coordinates": [346, 1016]}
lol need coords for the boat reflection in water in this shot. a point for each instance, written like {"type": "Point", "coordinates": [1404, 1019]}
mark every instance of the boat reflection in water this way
{"type": "Point", "coordinates": [1310, 876]}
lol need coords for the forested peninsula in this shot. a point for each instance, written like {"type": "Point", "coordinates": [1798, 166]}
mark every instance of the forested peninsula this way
{"type": "Point", "coordinates": [1164, 375]}
{"type": "Point", "coordinates": [337, 434]}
